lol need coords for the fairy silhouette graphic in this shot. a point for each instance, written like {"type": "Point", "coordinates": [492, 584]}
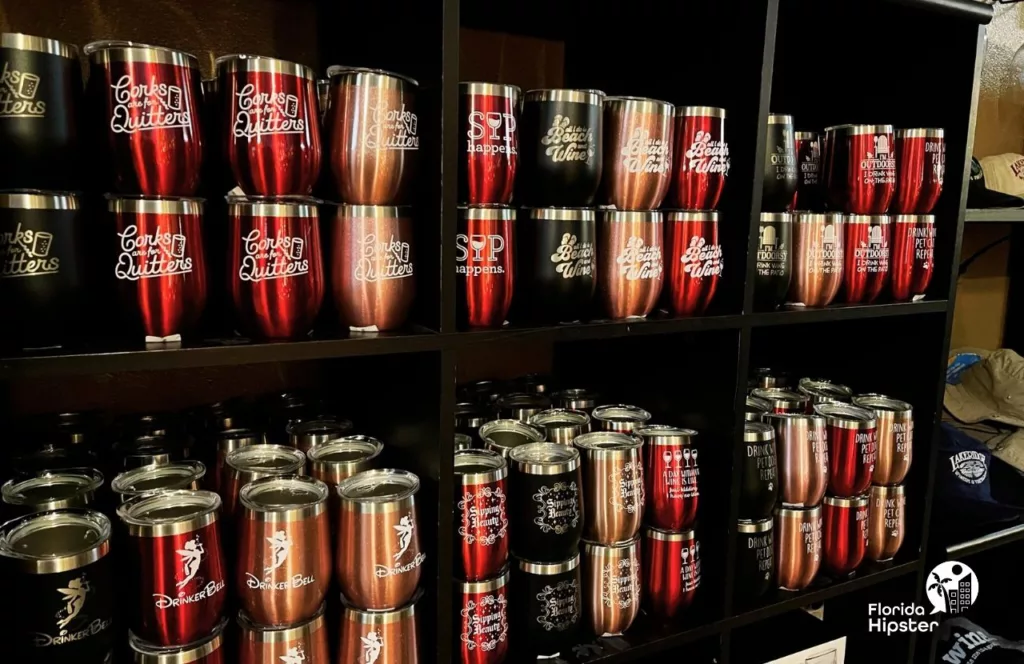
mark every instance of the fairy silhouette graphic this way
{"type": "Point", "coordinates": [293, 656]}
{"type": "Point", "coordinates": [404, 529]}
{"type": "Point", "coordinates": [372, 645]}
{"type": "Point", "coordinates": [191, 556]}
{"type": "Point", "coordinates": [74, 598]}
{"type": "Point", "coordinates": [280, 545]}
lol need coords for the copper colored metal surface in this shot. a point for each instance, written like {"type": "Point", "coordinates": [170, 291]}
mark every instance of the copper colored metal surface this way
{"type": "Point", "coordinates": [782, 400]}
{"type": "Point", "coordinates": [895, 437]}
{"type": "Point", "coordinates": [886, 521]}
{"type": "Point", "coordinates": [797, 546]}
{"type": "Point", "coordinates": [301, 643]}
{"type": "Point", "coordinates": [378, 557]}
{"type": "Point", "coordinates": [227, 442]}
{"type": "Point", "coordinates": [803, 458]}
{"type": "Point", "coordinates": [671, 571]}
{"type": "Point", "coordinates": [482, 620]}
{"type": "Point", "coordinates": [305, 435]}
{"type": "Point", "coordinates": [622, 418]}
{"type": "Point", "coordinates": [502, 436]}
{"type": "Point", "coordinates": [284, 553]}
{"type": "Point", "coordinates": [373, 264]}
{"type": "Point", "coordinates": [637, 152]}
{"type": "Point", "coordinates": [380, 637]}
{"type": "Point", "coordinates": [817, 259]}
{"type": "Point", "coordinates": [561, 425]}
{"type": "Point", "coordinates": [341, 458]}
{"type": "Point", "coordinates": [845, 534]}
{"type": "Point", "coordinates": [374, 135]}
{"type": "Point", "coordinates": [613, 486]}
{"type": "Point", "coordinates": [252, 462]}
{"type": "Point", "coordinates": [630, 268]}
{"type": "Point", "coordinates": [611, 585]}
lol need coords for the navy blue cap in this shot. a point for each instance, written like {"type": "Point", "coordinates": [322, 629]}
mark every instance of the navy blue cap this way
{"type": "Point", "coordinates": [963, 482]}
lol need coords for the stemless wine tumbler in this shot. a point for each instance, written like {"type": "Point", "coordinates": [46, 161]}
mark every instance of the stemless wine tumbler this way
{"type": "Point", "coordinates": [774, 266]}
{"type": "Point", "coordinates": [920, 168]}
{"type": "Point", "coordinates": [693, 259]}
{"type": "Point", "coordinates": [913, 255]}
{"type": "Point", "coordinates": [146, 101]}
{"type": "Point", "coordinates": [886, 521]}
{"type": "Point", "coordinates": [561, 143]}
{"type": "Point", "coordinates": [630, 268]}
{"type": "Point", "coordinates": [489, 138]}
{"type": "Point", "coordinates": [276, 270]}
{"type": "Point", "coordinates": [809, 194]}
{"type": "Point", "coordinates": [549, 606]}
{"type": "Point", "coordinates": [559, 266]}
{"type": "Point", "coordinates": [373, 266]}
{"type": "Point", "coordinates": [269, 124]}
{"type": "Point", "coordinates": [613, 485]}
{"type": "Point", "coordinates": [760, 487]}
{"type": "Point", "coordinates": [637, 152]}
{"type": "Point", "coordinates": [546, 494]}
{"type": "Point", "coordinates": [780, 170]}
{"type": "Point", "coordinates": [700, 157]}
{"type": "Point", "coordinates": [485, 265]}
{"type": "Point", "coordinates": [867, 259]}
{"type": "Point", "coordinates": [40, 101]}
{"type": "Point", "coordinates": [671, 476]}
{"type": "Point", "coordinates": [871, 171]}
{"type": "Point", "coordinates": [817, 259]}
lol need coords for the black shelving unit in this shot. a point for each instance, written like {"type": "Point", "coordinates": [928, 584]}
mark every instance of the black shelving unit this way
{"type": "Point", "coordinates": [908, 62]}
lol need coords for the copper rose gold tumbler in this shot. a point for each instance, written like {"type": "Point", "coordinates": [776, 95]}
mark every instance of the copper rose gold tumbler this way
{"type": "Point", "coordinates": [630, 266]}
{"type": "Point", "coordinates": [304, 642]}
{"type": "Point", "coordinates": [817, 259]}
{"type": "Point", "coordinates": [671, 571]}
{"type": "Point", "coordinates": [378, 557]}
{"type": "Point", "coordinates": [622, 418]}
{"type": "Point", "coordinates": [252, 462]}
{"type": "Point", "coordinates": [894, 434]}
{"type": "Point", "coordinates": [803, 458]}
{"type": "Point", "coordinates": [670, 476]}
{"type": "Point", "coordinates": [284, 553]}
{"type": "Point", "coordinates": [380, 637]}
{"type": "Point", "coordinates": [886, 521]}
{"type": "Point", "coordinates": [797, 546]}
{"type": "Point", "coordinates": [613, 486]}
{"type": "Point", "coordinates": [340, 458]}
{"type": "Point", "coordinates": [637, 152]}
{"type": "Point", "coordinates": [845, 533]}
{"type": "Point", "coordinates": [611, 585]}
{"type": "Point", "coordinates": [373, 264]}
{"type": "Point", "coordinates": [481, 517]}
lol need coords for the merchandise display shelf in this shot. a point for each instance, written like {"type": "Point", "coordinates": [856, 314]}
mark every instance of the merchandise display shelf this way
{"type": "Point", "coordinates": [992, 540]}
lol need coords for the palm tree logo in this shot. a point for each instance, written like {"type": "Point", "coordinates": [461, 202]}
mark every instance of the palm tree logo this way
{"type": "Point", "coordinates": [938, 584]}
{"type": "Point", "coordinates": [952, 587]}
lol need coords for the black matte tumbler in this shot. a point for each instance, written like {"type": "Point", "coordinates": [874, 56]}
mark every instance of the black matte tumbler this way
{"type": "Point", "coordinates": [546, 499]}
{"type": "Point", "coordinates": [42, 272]}
{"type": "Point", "coordinates": [559, 264]}
{"type": "Point", "coordinates": [560, 144]}
{"type": "Point", "coordinates": [755, 558]}
{"type": "Point", "coordinates": [546, 608]}
{"type": "Point", "coordinates": [760, 486]}
{"type": "Point", "coordinates": [40, 98]}
{"type": "Point", "coordinates": [58, 574]}
{"type": "Point", "coordinates": [780, 169]}
{"type": "Point", "coordinates": [774, 267]}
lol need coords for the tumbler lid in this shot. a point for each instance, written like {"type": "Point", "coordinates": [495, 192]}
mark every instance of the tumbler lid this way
{"type": "Point", "coordinates": [561, 214]}
{"type": "Point", "coordinates": [523, 433]}
{"type": "Point", "coordinates": [781, 395]}
{"type": "Point", "coordinates": [664, 434]}
{"type": "Point", "coordinates": [490, 89]}
{"type": "Point", "coordinates": [463, 442]}
{"type": "Point", "coordinates": [855, 501]}
{"type": "Point", "coordinates": [920, 133]}
{"type": "Point", "coordinates": [545, 458]}
{"type": "Point", "coordinates": [32, 199]}
{"type": "Point", "coordinates": [341, 70]}
{"type": "Point", "coordinates": [606, 441]}
{"type": "Point", "coordinates": [846, 416]}
{"type": "Point", "coordinates": [373, 487]}
{"type": "Point", "coordinates": [346, 451]}
{"type": "Point", "coordinates": [621, 413]}
{"type": "Point", "coordinates": [56, 541]}
{"type": "Point", "coordinates": [857, 130]}
{"type": "Point", "coordinates": [592, 97]}
{"type": "Point", "coordinates": [879, 402]}
{"type": "Point", "coordinates": [749, 526]}
{"type": "Point", "coordinates": [286, 493]}
{"type": "Point", "coordinates": [127, 204]}
{"type": "Point", "coordinates": [757, 405]}
{"type": "Point", "coordinates": [147, 479]}
{"type": "Point", "coordinates": [757, 432]}
{"type": "Point", "coordinates": [150, 653]}
{"type": "Point", "coordinates": [318, 429]}
{"type": "Point", "coordinates": [548, 569]}
{"type": "Point", "coordinates": [266, 459]}
{"type": "Point", "coordinates": [169, 512]}
{"type": "Point", "coordinates": [575, 398]}
{"type": "Point", "coordinates": [824, 388]}
{"type": "Point", "coordinates": [22, 42]}
{"type": "Point", "coordinates": [54, 489]}
{"type": "Point", "coordinates": [700, 111]}
{"type": "Point", "coordinates": [669, 535]}
{"type": "Point", "coordinates": [479, 466]}
{"type": "Point", "coordinates": [115, 50]}
{"type": "Point", "coordinates": [251, 631]}
{"type": "Point", "coordinates": [260, 63]}
{"type": "Point", "coordinates": [777, 118]}
{"type": "Point", "coordinates": [641, 105]}
{"type": "Point", "coordinates": [560, 417]}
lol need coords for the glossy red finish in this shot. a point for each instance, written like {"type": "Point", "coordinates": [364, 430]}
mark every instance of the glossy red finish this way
{"type": "Point", "coordinates": [671, 571]}
{"type": "Point", "coordinates": [150, 125]}
{"type": "Point", "coordinates": [275, 267]}
{"type": "Point", "coordinates": [845, 533]}
{"type": "Point", "coordinates": [671, 474]}
{"type": "Point", "coordinates": [160, 266]}
{"type": "Point", "coordinates": [180, 601]}
{"type": "Point", "coordinates": [867, 258]}
{"type": "Point", "coordinates": [701, 158]}
{"type": "Point", "coordinates": [485, 265]}
{"type": "Point", "coordinates": [489, 143]}
{"type": "Point", "coordinates": [270, 127]}
{"type": "Point", "coordinates": [483, 621]}
{"type": "Point", "coordinates": [694, 261]}
{"type": "Point", "coordinates": [851, 459]}
{"type": "Point", "coordinates": [913, 255]}
{"type": "Point", "coordinates": [871, 178]}
{"type": "Point", "coordinates": [481, 520]}
{"type": "Point", "coordinates": [920, 167]}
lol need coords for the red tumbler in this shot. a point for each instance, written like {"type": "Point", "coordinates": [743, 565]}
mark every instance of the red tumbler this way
{"type": "Point", "coordinates": [913, 255]}
{"type": "Point", "coordinates": [483, 620]}
{"type": "Point", "coordinates": [481, 517]}
{"type": "Point", "coordinates": [485, 265]}
{"type": "Point", "coordinates": [866, 261]}
{"type": "Point", "coordinates": [920, 167]}
{"type": "Point", "coordinates": [489, 139]}
{"type": "Point", "coordinates": [694, 261]}
{"type": "Point", "coordinates": [845, 535]}
{"type": "Point", "coordinates": [701, 157]}
{"type": "Point", "coordinates": [671, 571]}
{"type": "Point", "coordinates": [852, 447]}
{"type": "Point", "coordinates": [671, 476]}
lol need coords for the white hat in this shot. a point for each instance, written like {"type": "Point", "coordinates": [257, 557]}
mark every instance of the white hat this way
{"type": "Point", "coordinates": [1004, 173]}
